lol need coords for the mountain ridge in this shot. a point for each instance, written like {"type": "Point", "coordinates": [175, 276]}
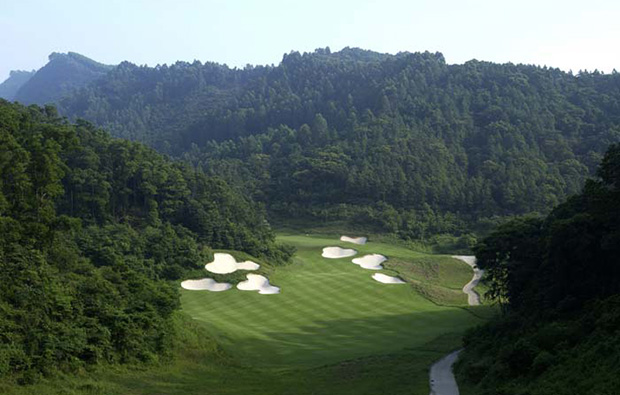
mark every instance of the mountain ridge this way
{"type": "Point", "coordinates": [407, 135]}
{"type": "Point", "coordinates": [62, 74]}
{"type": "Point", "coordinates": [10, 86]}
{"type": "Point", "coordinates": [359, 134]}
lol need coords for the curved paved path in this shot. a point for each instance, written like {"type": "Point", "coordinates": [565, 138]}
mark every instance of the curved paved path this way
{"type": "Point", "coordinates": [473, 298]}
{"type": "Point", "coordinates": [442, 379]}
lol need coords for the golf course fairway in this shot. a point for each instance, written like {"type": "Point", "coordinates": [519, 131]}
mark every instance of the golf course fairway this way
{"type": "Point", "coordinates": [332, 329]}
{"type": "Point", "coordinates": [331, 310]}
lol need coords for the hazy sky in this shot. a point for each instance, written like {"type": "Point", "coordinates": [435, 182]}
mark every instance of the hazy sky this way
{"type": "Point", "coordinates": [566, 34]}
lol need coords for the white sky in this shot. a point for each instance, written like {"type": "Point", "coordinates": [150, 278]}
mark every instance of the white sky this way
{"type": "Point", "coordinates": [566, 34]}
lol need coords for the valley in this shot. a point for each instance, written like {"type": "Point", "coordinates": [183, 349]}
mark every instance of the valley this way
{"type": "Point", "coordinates": [218, 202]}
{"type": "Point", "coordinates": [332, 325]}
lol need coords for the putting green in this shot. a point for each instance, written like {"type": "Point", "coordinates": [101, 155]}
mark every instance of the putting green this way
{"type": "Point", "coordinates": [331, 310]}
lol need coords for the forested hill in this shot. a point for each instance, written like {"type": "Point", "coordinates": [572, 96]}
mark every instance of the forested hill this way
{"type": "Point", "coordinates": [92, 231]}
{"type": "Point", "coordinates": [558, 279]}
{"type": "Point", "coordinates": [17, 78]}
{"type": "Point", "coordinates": [62, 74]}
{"type": "Point", "coordinates": [388, 139]}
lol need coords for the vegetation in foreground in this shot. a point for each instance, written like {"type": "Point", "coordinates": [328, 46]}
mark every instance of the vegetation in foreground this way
{"type": "Point", "coordinates": [92, 230]}
{"type": "Point", "coordinates": [95, 234]}
{"type": "Point", "coordinates": [198, 366]}
{"type": "Point", "coordinates": [313, 351]}
{"type": "Point", "coordinates": [559, 281]}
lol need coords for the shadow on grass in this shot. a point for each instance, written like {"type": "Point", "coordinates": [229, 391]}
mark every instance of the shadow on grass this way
{"type": "Point", "coordinates": [353, 355]}
{"type": "Point", "coordinates": [399, 372]}
{"type": "Point", "coordinates": [327, 342]}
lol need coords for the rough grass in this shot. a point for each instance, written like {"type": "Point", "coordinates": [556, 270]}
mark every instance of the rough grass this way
{"type": "Point", "coordinates": [332, 330]}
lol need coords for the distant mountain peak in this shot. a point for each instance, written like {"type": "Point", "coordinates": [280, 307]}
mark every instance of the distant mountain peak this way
{"type": "Point", "coordinates": [63, 73]}
{"type": "Point", "coordinates": [17, 78]}
{"type": "Point", "coordinates": [13, 73]}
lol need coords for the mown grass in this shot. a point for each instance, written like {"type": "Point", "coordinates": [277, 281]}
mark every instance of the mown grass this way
{"type": "Point", "coordinates": [329, 310]}
{"type": "Point", "coordinates": [201, 367]}
{"type": "Point", "coordinates": [332, 330]}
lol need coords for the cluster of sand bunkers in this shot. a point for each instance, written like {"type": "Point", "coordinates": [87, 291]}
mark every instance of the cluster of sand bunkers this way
{"type": "Point", "coordinates": [224, 264]}
{"type": "Point", "coordinates": [370, 261]}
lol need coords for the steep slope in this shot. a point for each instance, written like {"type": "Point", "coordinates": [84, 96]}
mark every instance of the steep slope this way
{"type": "Point", "coordinates": [63, 73]}
{"type": "Point", "coordinates": [16, 80]}
{"type": "Point", "coordinates": [558, 279]}
{"type": "Point", "coordinates": [394, 140]}
{"type": "Point", "coordinates": [93, 230]}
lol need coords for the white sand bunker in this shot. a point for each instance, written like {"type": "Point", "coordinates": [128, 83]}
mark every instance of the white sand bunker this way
{"type": "Point", "coordinates": [354, 240]}
{"type": "Point", "coordinates": [256, 282]}
{"type": "Point", "coordinates": [206, 284]}
{"type": "Point", "coordinates": [382, 278]}
{"type": "Point", "coordinates": [226, 263]}
{"type": "Point", "coordinates": [337, 252]}
{"type": "Point", "coordinates": [372, 261]}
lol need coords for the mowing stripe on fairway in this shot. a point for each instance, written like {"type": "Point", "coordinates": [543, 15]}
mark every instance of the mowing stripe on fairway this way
{"type": "Point", "coordinates": [328, 310]}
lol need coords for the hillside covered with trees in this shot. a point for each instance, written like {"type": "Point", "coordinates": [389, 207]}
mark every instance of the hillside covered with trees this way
{"type": "Point", "coordinates": [60, 76]}
{"type": "Point", "coordinates": [406, 143]}
{"type": "Point", "coordinates": [558, 280]}
{"type": "Point", "coordinates": [92, 232]}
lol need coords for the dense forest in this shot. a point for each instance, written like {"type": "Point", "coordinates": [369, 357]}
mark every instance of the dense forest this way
{"type": "Point", "coordinates": [92, 232]}
{"type": "Point", "coordinates": [558, 280]}
{"type": "Point", "coordinates": [406, 143]}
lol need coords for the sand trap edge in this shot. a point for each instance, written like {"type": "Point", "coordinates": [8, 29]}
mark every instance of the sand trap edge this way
{"type": "Point", "coordinates": [205, 284]}
{"type": "Point", "coordinates": [257, 282]}
{"type": "Point", "coordinates": [337, 252]}
{"type": "Point", "coordinates": [224, 263]}
{"type": "Point", "coordinates": [385, 279]}
{"type": "Point", "coordinates": [370, 261]}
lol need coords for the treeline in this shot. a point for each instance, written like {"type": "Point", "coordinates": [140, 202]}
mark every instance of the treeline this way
{"type": "Point", "coordinates": [558, 280]}
{"type": "Point", "coordinates": [91, 230]}
{"type": "Point", "coordinates": [356, 134]}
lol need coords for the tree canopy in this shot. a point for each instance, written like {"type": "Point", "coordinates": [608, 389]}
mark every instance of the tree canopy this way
{"type": "Point", "coordinates": [559, 280]}
{"type": "Point", "coordinates": [387, 139]}
{"type": "Point", "coordinates": [92, 231]}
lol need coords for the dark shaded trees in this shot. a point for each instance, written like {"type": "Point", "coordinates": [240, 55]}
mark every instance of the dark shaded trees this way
{"type": "Point", "coordinates": [91, 231]}
{"type": "Point", "coordinates": [559, 278]}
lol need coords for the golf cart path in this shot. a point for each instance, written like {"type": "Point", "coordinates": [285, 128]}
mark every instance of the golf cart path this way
{"type": "Point", "coordinates": [473, 298]}
{"type": "Point", "coordinates": [442, 381]}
